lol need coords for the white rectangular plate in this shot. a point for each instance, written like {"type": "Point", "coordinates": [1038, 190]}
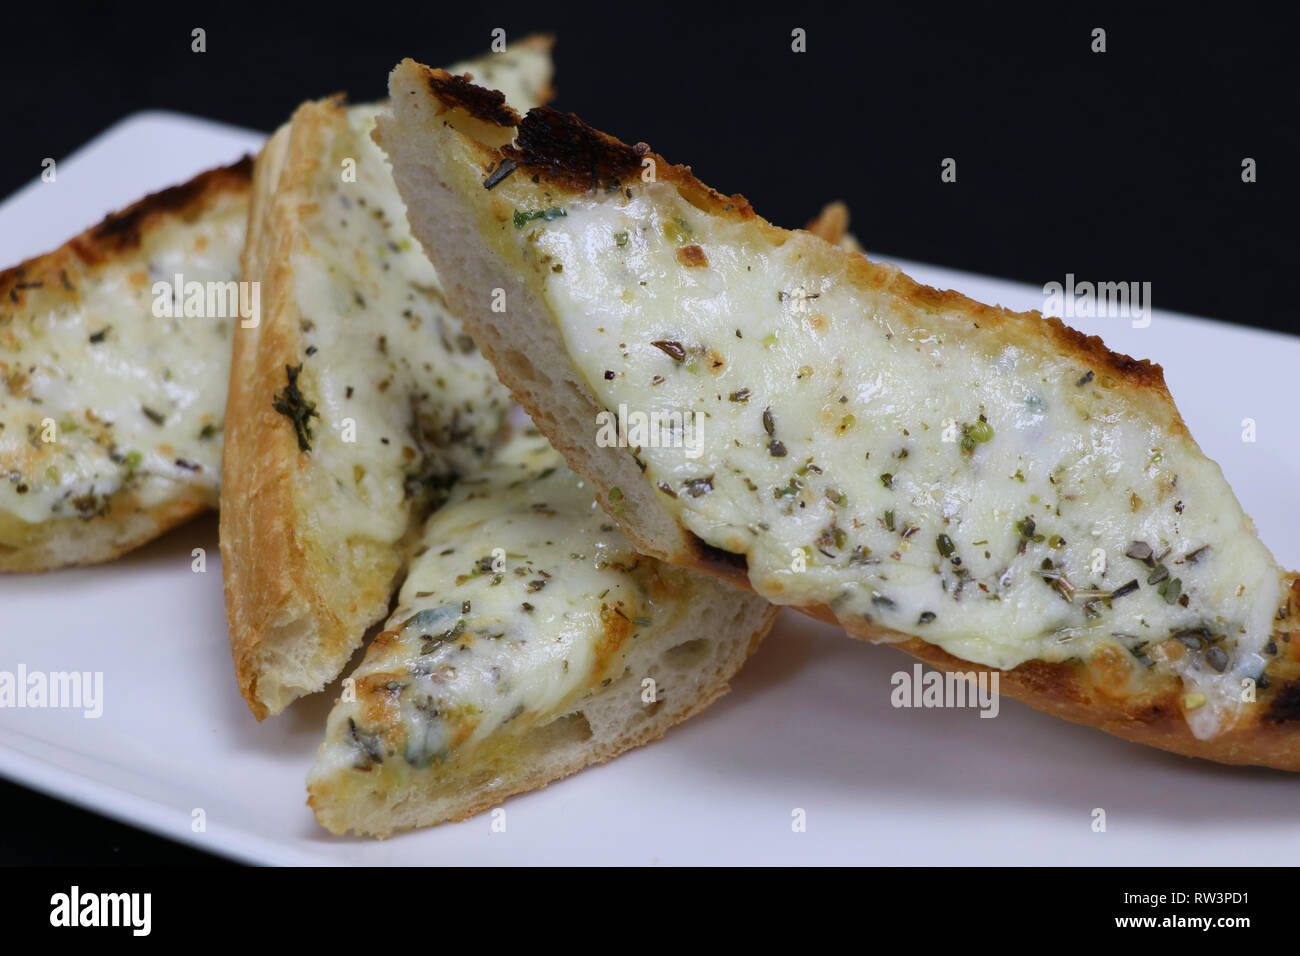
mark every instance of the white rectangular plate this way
{"type": "Point", "coordinates": [808, 725]}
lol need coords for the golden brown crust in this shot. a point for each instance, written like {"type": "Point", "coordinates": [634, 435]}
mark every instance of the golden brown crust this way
{"type": "Point", "coordinates": [55, 280]}
{"type": "Point", "coordinates": [74, 542]}
{"type": "Point", "coordinates": [1084, 692]}
{"type": "Point", "coordinates": [256, 466]}
{"type": "Point", "coordinates": [1265, 736]}
{"type": "Point", "coordinates": [119, 233]}
{"type": "Point", "coordinates": [321, 796]}
{"type": "Point", "coordinates": [1090, 350]}
{"type": "Point", "coordinates": [340, 805]}
{"type": "Point", "coordinates": [325, 797]}
{"type": "Point", "coordinates": [279, 591]}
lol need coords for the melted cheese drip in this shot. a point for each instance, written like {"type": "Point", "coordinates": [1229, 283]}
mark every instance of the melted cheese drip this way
{"type": "Point", "coordinates": [825, 420]}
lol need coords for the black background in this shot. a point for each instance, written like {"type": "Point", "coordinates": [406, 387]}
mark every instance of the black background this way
{"type": "Point", "coordinates": [1120, 166]}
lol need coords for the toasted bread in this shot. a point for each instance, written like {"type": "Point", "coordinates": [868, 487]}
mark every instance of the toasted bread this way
{"type": "Point", "coordinates": [516, 562]}
{"type": "Point", "coordinates": [111, 395]}
{"type": "Point", "coordinates": [353, 405]}
{"type": "Point", "coordinates": [529, 641]}
{"type": "Point", "coordinates": [986, 490]}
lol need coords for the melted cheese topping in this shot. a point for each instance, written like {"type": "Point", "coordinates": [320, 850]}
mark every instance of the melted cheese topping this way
{"type": "Point", "coordinates": [405, 401]}
{"type": "Point", "coordinates": [906, 469]}
{"type": "Point", "coordinates": [133, 401]}
{"type": "Point", "coordinates": [525, 598]}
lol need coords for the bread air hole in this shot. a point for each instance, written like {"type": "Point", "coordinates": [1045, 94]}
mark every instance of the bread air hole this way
{"type": "Point", "coordinates": [687, 656]}
{"type": "Point", "coordinates": [569, 729]}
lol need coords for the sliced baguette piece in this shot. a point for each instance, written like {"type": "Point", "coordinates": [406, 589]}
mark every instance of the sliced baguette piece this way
{"type": "Point", "coordinates": [110, 412]}
{"type": "Point", "coordinates": [522, 649]}
{"type": "Point", "coordinates": [354, 403]}
{"type": "Point", "coordinates": [987, 490]}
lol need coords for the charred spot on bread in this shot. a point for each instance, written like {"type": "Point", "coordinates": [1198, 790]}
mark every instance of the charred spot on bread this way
{"type": "Point", "coordinates": [460, 92]}
{"type": "Point", "coordinates": [123, 230]}
{"type": "Point", "coordinates": [1286, 704]}
{"type": "Point", "coordinates": [14, 282]}
{"type": "Point", "coordinates": [120, 231]}
{"type": "Point", "coordinates": [568, 152]}
{"type": "Point", "coordinates": [1141, 372]}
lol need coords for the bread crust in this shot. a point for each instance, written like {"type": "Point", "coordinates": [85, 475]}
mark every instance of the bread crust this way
{"type": "Point", "coordinates": [1074, 690]}
{"type": "Point", "coordinates": [340, 809]}
{"type": "Point", "coordinates": [285, 601]}
{"type": "Point", "coordinates": [121, 233]}
{"type": "Point", "coordinates": [298, 600]}
{"type": "Point", "coordinates": [56, 280]}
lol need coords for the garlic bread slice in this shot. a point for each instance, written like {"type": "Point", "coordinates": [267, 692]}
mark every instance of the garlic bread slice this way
{"type": "Point", "coordinates": [113, 377]}
{"type": "Point", "coordinates": [984, 489]}
{"type": "Point", "coordinates": [353, 405]}
{"type": "Point", "coordinates": [530, 640]}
